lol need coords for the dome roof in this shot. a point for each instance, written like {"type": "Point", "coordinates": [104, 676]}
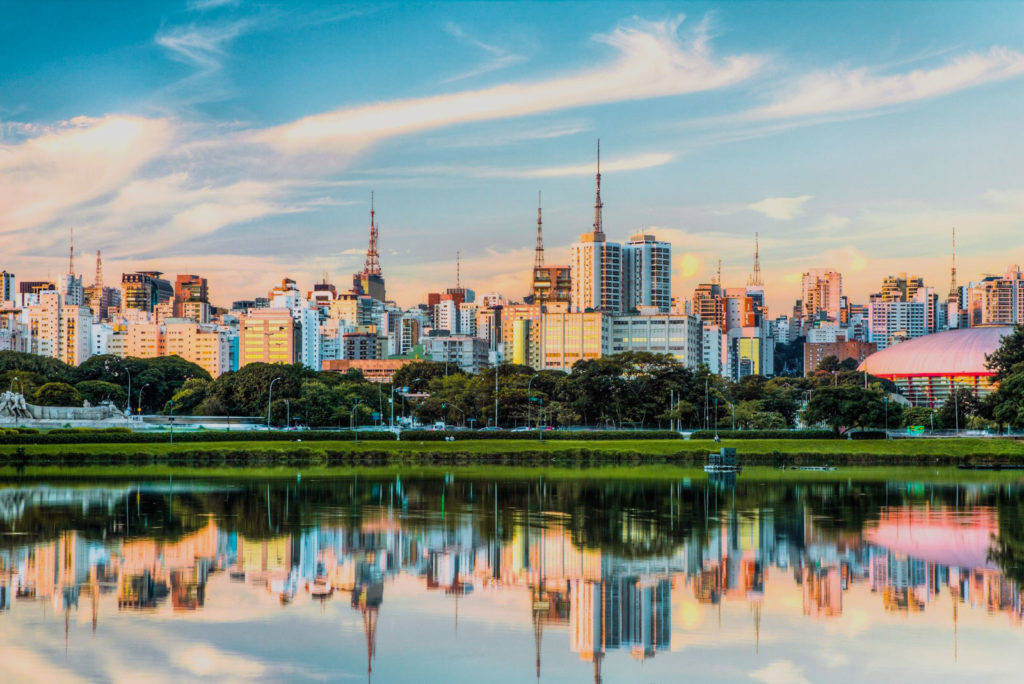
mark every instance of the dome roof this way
{"type": "Point", "coordinates": [952, 352]}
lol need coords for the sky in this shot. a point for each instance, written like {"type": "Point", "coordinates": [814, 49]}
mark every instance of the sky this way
{"type": "Point", "coordinates": [241, 140]}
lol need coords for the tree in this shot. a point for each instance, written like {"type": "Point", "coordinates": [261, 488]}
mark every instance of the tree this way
{"type": "Point", "coordinates": [846, 407]}
{"type": "Point", "coordinates": [923, 416]}
{"type": "Point", "coordinates": [57, 394]}
{"type": "Point", "coordinates": [1006, 405]}
{"type": "Point", "coordinates": [49, 368]}
{"type": "Point", "coordinates": [960, 408]}
{"type": "Point", "coordinates": [1010, 353]}
{"type": "Point", "coordinates": [98, 391]}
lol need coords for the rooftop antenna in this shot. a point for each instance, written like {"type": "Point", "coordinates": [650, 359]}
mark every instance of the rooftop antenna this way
{"type": "Point", "coordinates": [99, 270]}
{"type": "Point", "coordinates": [953, 291]}
{"type": "Point", "coordinates": [71, 256]}
{"type": "Point", "coordinates": [372, 265]}
{"type": "Point", "coordinates": [718, 276]}
{"type": "Point", "coordinates": [598, 205]}
{"type": "Point", "coordinates": [458, 275]}
{"type": "Point", "coordinates": [538, 253]}
{"type": "Point", "coordinates": [755, 277]}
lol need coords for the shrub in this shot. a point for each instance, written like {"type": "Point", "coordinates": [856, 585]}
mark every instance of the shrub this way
{"type": "Point", "coordinates": [764, 434]}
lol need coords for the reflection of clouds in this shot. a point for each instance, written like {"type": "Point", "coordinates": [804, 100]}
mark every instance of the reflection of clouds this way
{"type": "Point", "coordinates": [204, 661]}
{"type": "Point", "coordinates": [780, 672]}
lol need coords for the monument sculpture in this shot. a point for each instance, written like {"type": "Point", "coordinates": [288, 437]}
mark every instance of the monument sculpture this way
{"type": "Point", "coordinates": [14, 408]}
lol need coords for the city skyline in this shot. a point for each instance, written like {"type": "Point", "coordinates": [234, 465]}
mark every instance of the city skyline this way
{"type": "Point", "coordinates": [198, 140]}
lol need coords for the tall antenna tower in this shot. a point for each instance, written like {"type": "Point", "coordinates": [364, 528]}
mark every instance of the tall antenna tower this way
{"type": "Point", "coordinates": [538, 252]}
{"type": "Point", "coordinates": [598, 205]}
{"type": "Point", "coordinates": [372, 265]}
{"type": "Point", "coordinates": [755, 276]}
{"type": "Point", "coordinates": [458, 274]}
{"type": "Point", "coordinates": [954, 292]}
{"type": "Point", "coordinates": [99, 270]}
{"type": "Point", "coordinates": [71, 256]}
{"type": "Point", "coordinates": [718, 275]}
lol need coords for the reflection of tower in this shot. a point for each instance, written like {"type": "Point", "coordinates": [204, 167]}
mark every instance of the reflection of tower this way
{"type": "Point", "coordinates": [367, 596]}
{"type": "Point", "coordinates": [538, 630]}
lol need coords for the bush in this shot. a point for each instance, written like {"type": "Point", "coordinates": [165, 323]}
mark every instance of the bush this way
{"type": "Point", "coordinates": [868, 434]}
{"type": "Point", "coordinates": [764, 434]}
{"type": "Point", "coordinates": [115, 435]}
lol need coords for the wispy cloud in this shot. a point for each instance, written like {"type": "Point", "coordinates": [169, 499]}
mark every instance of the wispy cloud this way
{"type": "Point", "coordinates": [632, 163]}
{"type": "Point", "coordinates": [780, 208]}
{"type": "Point", "coordinates": [511, 135]}
{"type": "Point", "coordinates": [860, 90]}
{"type": "Point", "coordinates": [498, 57]}
{"type": "Point", "coordinates": [652, 61]}
{"type": "Point", "coordinates": [201, 46]}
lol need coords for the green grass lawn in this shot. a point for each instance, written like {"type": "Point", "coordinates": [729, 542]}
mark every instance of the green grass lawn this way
{"type": "Point", "coordinates": [952, 448]}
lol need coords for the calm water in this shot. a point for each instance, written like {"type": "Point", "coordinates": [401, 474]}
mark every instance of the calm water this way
{"type": "Point", "coordinates": [450, 577]}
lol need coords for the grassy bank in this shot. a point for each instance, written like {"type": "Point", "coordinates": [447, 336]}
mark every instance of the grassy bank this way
{"type": "Point", "coordinates": [756, 451]}
{"type": "Point", "coordinates": [160, 473]}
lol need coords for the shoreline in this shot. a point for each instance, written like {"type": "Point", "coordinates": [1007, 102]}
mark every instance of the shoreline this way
{"type": "Point", "coordinates": [753, 452]}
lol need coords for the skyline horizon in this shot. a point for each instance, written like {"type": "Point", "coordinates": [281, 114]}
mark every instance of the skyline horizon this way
{"type": "Point", "coordinates": [196, 138]}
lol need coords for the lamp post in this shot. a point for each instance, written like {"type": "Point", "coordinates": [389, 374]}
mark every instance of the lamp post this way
{"type": "Point", "coordinates": [540, 401]}
{"type": "Point", "coordinates": [170, 405]}
{"type": "Point", "coordinates": [270, 396]}
{"type": "Point", "coordinates": [106, 367]}
{"type": "Point", "coordinates": [496, 369]}
{"type": "Point", "coordinates": [139, 405]}
{"type": "Point", "coordinates": [288, 413]}
{"type": "Point", "coordinates": [352, 419]}
{"type": "Point", "coordinates": [716, 419]}
{"type": "Point", "coordinates": [528, 399]}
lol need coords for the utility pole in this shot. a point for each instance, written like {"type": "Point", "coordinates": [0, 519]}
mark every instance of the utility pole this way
{"type": "Point", "coordinates": [496, 367]}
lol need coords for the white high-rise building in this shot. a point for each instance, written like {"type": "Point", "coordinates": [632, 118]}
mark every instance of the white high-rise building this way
{"type": "Point", "coordinates": [647, 273]}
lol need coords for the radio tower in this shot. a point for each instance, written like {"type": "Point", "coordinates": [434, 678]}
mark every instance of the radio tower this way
{"type": "Point", "coordinates": [755, 276]}
{"type": "Point", "coordinates": [458, 275]}
{"type": "Point", "coordinates": [99, 270]}
{"type": "Point", "coordinates": [598, 227]}
{"type": "Point", "coordinates": [71, 256]}
{"type": "Point", "coordinates": [954, 294]}
{"type": "Point", "coordinates": [538, 253]}
{"type": "Point", "coordinates": [372, 265]}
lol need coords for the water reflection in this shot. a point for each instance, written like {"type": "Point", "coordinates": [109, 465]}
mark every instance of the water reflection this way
{"type": "Point", "coordinates": [618, 571]}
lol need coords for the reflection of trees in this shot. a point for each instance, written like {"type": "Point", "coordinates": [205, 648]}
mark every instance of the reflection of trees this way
{"type": "Point", "coordinates": [630, 519]}
{"type": "Point", "coordinates": [1007, 550]}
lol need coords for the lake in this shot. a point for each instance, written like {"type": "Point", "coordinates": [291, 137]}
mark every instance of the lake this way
{"type": "Point", "coordinates": [466, 575]}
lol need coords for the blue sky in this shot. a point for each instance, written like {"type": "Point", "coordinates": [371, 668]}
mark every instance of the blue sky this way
{"type": "Point", "coordinates": [241, 140]}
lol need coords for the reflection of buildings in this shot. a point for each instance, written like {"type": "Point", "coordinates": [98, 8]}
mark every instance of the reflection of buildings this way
{"type": "Point", "coordinates": [604, 602]}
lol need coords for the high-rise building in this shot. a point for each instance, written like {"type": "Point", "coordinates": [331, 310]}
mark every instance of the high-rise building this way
{"type": "Point", "coordinates": [570, 337]}
{"type": "Point", "coordinates": [647, 273]}
{"type": "Point", "coordinates": [821, 291]}
{"type": "Point", "coordinates": [7, 289]}
{"type": "Point", "coordinates": [891, 322]}
{"type": "Point", "coordinates": [677, 335]}
{"type": "Point", "coordinates": [900, 288]}
{"type": "Point", "coordinates": [193, 289]}
{"type": "Point", "coordinates": [550, 283]}
{"type": "Point", "coordinates": [998, 300]}
{"type": "Point", "coordinates": [207, 346]}
{"type": "Point", "coordinates": [267, 336]}
{"type": "Point", "coordinates": [709, 304]}
{"type": "Point", "coordinates": [596, 265]}
{"type": "Point", "coordinates": [61, 331]}
{"type": "Point", "coordinates": [370, 281]}
{"type": "Point", "coordinates": [144, 290]}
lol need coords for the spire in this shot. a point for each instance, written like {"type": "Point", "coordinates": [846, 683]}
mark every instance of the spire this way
{"type": "Point", "coordinates": [954, 293]}
{"type": "Point", "coordinates": [538, 253]}
{"type": "Point", "coordinates": [99, 270]}
{"type": "Point", "coordinates": [755, 275]}
{"type": "Point", "coordinates": [71, 256]}
{"type": "Point", "coordinates": [718, 274]}
{"type": "Point", "coordinates": [458, 274]}
{"type": "Point", "coordinates": [372, 265]}
{"type": "Point", "coordinates": [598, 206]}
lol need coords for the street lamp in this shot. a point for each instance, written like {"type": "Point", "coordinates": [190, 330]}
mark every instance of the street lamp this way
{"type": "Point", "coordinates": [106, 366]}
{"type": "Point", "coordinates": [270, 396]}
{"type": "Point", "coordinates": [352, 419]}
{"type": "Point", "coordinates": [288, 413]}
{"type": "Point", "coordinates": [140, 397]}
{"type": "Point", "coordinates": [170, 404]}
{"type": "Point", "coordinates": [529, 399]}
